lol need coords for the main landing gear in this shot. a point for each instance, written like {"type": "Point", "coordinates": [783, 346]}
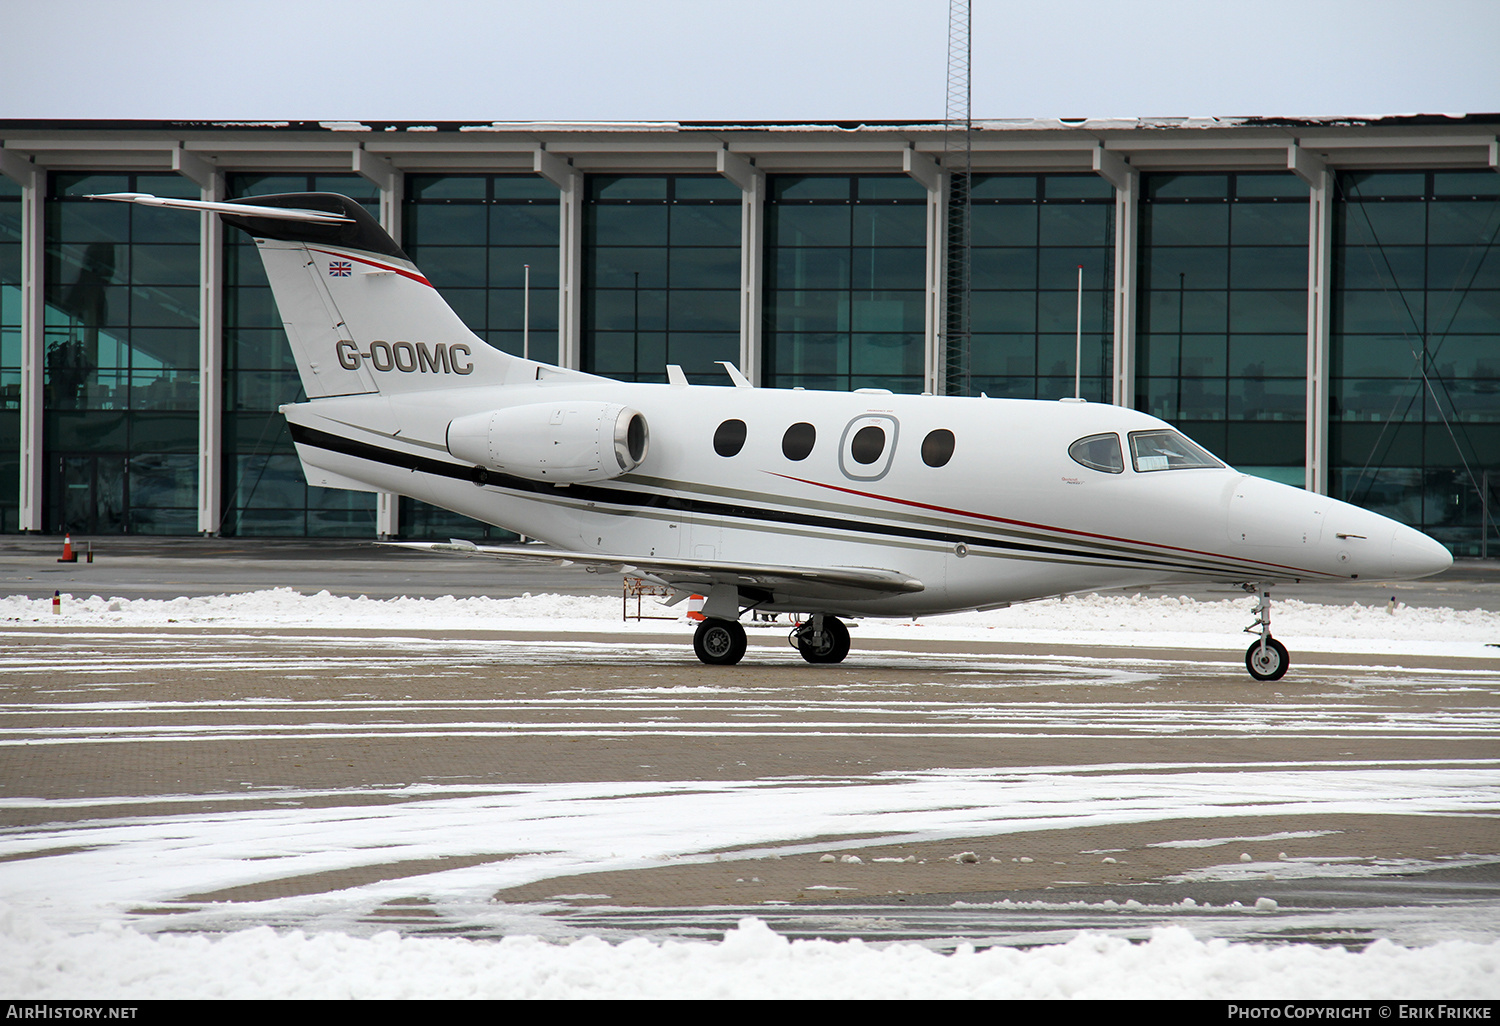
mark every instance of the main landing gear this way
{"type": "Point", "coordinates": [1266, 659]}
{"type": "Point", "coordinates": [822, 639]}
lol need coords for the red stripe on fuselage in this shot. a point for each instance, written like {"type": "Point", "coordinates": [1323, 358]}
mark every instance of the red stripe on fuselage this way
{"type": "Point", "coordinates": [1047, 527]}
{"type": "Point", "coordinates": [375, 263]}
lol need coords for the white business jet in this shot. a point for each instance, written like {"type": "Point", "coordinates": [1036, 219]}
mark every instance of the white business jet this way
{"type": "Point", "coordinates": [827, 504]}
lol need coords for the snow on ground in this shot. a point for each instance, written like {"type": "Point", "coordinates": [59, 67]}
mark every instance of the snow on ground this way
{"type": "Point", "coordinates": [1104, 620]}
{"type": "Point", "coordinates": [106, 959]}
{"type": "Point", "coordinates": [751, 962]}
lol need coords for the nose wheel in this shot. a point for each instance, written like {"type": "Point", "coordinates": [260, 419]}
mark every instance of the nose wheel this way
{"type": "Point", "coordinates": [1267, 659]}
{"type": "Point", "coordinates": [719, 642]}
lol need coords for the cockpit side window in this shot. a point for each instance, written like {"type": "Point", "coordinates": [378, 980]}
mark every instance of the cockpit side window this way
{"type": "Point", "coordinates": [1167, 450]}
{"type": "Point", "coordinates": [1099, 452]}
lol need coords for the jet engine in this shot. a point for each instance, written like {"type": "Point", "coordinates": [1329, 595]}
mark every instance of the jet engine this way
{"type": "Point", "coordinates": [561, 442]}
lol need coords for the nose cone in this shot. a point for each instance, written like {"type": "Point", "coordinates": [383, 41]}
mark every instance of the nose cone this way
{"type": "Point", "coordinates": [1413, 554]}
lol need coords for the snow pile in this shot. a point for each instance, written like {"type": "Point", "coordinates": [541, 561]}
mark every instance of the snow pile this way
{"type": "Point", "coordinates": [1107, 620]}
{"type": "Point", "coordinates": [752, 961]}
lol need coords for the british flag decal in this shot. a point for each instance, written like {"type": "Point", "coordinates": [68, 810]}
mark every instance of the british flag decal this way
{"type": "Point", "coordinates": [340, 268]}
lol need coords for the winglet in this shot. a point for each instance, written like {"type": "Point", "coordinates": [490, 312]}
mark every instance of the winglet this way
{"type": "Point", "coordinates": [740, 381]}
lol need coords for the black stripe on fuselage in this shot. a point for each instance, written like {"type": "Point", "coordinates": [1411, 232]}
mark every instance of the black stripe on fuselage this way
{"type": "Point", "coordinates": [678, 504]}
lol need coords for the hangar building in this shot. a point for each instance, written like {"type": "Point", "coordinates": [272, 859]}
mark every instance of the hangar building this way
{"type": "Point", "coordinates": [1315, 300]}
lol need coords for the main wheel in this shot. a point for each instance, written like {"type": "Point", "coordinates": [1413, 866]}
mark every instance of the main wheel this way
{"type": "Point", "coordinates": [1268, 664]}
{"type": "Point", "coordinates": [719, 642]}
{"type": "Point", "coordinates": [830, 645]}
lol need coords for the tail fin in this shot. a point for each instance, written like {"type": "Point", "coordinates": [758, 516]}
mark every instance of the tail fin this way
{"type": "Point", "coordinates": [359, 315]}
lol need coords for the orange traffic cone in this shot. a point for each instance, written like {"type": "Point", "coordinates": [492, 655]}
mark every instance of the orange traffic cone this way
{"type": "Point", "coordinates": [68, 556]}
{"type": "Point", "coordinates": [695, 607]}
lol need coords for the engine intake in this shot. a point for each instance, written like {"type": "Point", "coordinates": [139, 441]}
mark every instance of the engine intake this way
{"type": "Point", "coordinates": [562, 442]}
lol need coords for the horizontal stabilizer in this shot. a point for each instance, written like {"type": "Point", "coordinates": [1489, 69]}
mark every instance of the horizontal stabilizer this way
{"type": "Point", "coordinates": [242, 209]}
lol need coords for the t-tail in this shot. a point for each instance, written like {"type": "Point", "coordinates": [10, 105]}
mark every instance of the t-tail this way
{"type": "Point", "coordinates": [360, 317]}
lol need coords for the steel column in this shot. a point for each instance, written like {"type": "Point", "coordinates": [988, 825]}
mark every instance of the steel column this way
{"type": "Point", "coordinates": [1127, 182]}
{"type": "Point", "coordinates": [935, 180]}
{"type": "Point", "coordinates": [33, 182]}
{"type": "Point", "coordinates": [1315, 173]}
{"type": "Point", "coordinates": [210, 183]}
{"type": "Point", "coordinates": [391, 183]}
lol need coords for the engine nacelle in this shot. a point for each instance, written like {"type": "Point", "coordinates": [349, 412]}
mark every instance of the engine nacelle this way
{"type": "Point", "coordinates": [561, 442]}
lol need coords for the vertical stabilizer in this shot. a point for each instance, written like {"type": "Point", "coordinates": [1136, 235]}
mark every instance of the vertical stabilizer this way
{"type": "Point", "coordinates": [360, 316]}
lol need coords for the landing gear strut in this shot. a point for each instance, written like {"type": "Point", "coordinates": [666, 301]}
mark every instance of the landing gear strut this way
{"type": "Point", "coordinates": [822, 639]}
{"type": "Point", "coordinates": [1267, 659]}
{"type": "Point", "coordinates": [719, 642]}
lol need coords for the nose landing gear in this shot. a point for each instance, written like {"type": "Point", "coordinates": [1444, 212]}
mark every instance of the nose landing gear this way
{"type": "Point", "coordinates": [719, 642]}
{"type": "Point", "coordinates": [1267, 659]}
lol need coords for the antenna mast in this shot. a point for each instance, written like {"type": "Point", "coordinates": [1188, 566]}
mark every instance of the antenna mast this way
{"type": "Point", "coordinates": [958, 159]}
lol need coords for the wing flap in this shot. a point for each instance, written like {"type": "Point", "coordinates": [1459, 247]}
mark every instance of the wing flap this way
{"type": "Point", "coordinates": [799, 580]}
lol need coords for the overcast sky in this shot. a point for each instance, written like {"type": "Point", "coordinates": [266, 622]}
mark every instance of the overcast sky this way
{"type": "Point", "coordinates": [753, 60]}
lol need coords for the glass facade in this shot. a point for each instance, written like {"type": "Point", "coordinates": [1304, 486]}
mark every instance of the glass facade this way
{"type": "Point", "coordinates": [845, 281]}
{"type": "Point", "coordinates": [1220, 342]}
{"type": "Point", "coordinates": [265, 492]}
{"type": "Point", "coordinates": [661, 276]}
{"type": "Point", "coordinates": [1414, 391]}
{"type": "Point", "coordinates": [120, 344]}
{"type": "Point", "coordinates": [473, 236]}
{"type": "Point", "coordinates": [1222, 319]}
{"type": "Point", "coordinates": [1030, 235]}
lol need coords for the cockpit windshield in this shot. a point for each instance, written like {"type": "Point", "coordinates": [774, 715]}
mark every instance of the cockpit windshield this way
{"type": "Point", "coordinates": [1167, 450]}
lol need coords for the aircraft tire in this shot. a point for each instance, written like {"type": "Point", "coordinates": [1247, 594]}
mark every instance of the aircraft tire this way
{"type": "Point", "coordinates": [1270, 665]}
{"type": "Point", "coordinates": [719, 642]}
{"type": "Point", "coordinates": [834, 644]}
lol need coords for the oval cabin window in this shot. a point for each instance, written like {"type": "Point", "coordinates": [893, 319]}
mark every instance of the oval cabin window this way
{"type": "Point", "coordinates": [797, 443]}
{"type": "Point", "coordinates": [868, 444]}
{"type": "Point", "coordinates": [729, 439]}
{"type": "Point", "coordinates": [937, 448]}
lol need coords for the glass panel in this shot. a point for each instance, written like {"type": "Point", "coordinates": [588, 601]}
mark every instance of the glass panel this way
{"type": "Point", "coordinates": [903, 225]}
{"type": "Point", "coordinates": [706, 225]}
{"type": "Point", "coordinates": [627, 225]}
{"type": "Point", "coordinates": [524, 225]}
{"type": "Point", "coordinates": [809, 226]}
{"type": "Point", "coordinates": [1385, 224]}
{"type": "Point", "coordinates": [1004, 225]}
{"type": "Point", "coordinates": [705, 187]}
{"type": "Point", "coordinates": [1080, 224]}
{"type": "Point", "coordinates": [890, 187]}
{"type": "Point", "coordinates": [605, 187]}
{"type": "Point", "coordinates": [441, 187]}
{"type": "Point", "coordinates": [523, 187]}
{"type": "Point", "coordinates": [1270, 224]}
{"type": "Point", "coordinates": [1187, 185]}
{"type": "Point", "coordinates": [1077, 187]}
{"type": "Point", "coordinates": [1283, 185]}
{"type": "Point", "coordinates": [1185, 224]}
{"type": "Point", "coordinates": [789, 187]}
{"type": "Point", "coordinates": [984, 187]}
